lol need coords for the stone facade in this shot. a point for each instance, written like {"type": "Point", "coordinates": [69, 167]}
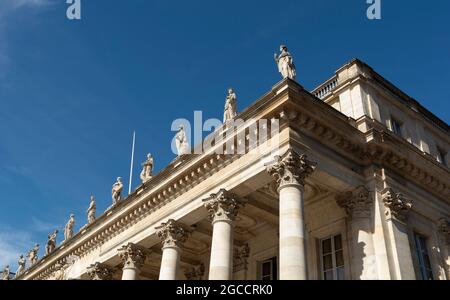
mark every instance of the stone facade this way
{"type": "Point", "coordinates": [347, 194]}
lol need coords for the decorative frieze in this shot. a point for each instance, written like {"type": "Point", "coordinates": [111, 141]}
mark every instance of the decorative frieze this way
{"type": "Point", "coordinates": [99, 271]}
{"type": "Point", "coordinates": [397, 204]}
{"type": "Point", "coordinates": [357, 204]}
{"type": "Point", "coordinates": [444, 230]}
{"type": "Point", "coordinates": [172, 233]}
{"type": "Point", "coordinates": [133, 256]}
{"type": "Point", "coordinates": [195, 272]}
{"type": "Point", "coordinates": [241, 255]}
{"type": "Point", "coordinates": [291, 168]}
{"type": "Point", "coordinates": [223, 206]}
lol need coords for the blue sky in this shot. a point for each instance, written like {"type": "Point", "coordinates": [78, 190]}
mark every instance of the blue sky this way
{"type": "Point", "coordinates": [72, 92]}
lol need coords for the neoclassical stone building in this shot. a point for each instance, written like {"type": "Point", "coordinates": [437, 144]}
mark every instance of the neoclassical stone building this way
{"type": "Point", "coordinates": [355, 184]}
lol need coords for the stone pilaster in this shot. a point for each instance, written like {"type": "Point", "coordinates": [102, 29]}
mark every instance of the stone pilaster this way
{"type": "Point", "coordinates": [358, 206]}
{"type": "Point", "coordinates": [241, 255]}
{"type": "Point", "coordinates": [172, 235]}
{"type": "Point", "coordinates": [290, 172]}
{"type": "Point", "coordinates": [99, 271]}
{"type": "Point", "coordinates": [444, 234]}
{"type": "Point", "coordinates": [195, 272]}
{"type": "Point", "coordinates": [133, 257]}
{"type": "Point", "coordinates": [223, 208]}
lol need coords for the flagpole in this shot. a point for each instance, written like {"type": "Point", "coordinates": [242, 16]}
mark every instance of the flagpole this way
{"type": "Point", "coordinates": [132, 161]}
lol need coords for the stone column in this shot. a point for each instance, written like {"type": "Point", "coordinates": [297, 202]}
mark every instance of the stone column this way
{"type": "Point", "coordinates": [397, 207]}
{"type": "Point", "coordinates": [290, 171]}
{"type": "Point", "coordinates": [444, 233]}
{"type": "Point", "coordinates": [222, 208]}
{"type": "Point", "coordinates": [172, 235]}
{"type": "Point", "coordinates": [99, 271]}
{"type": "Point", "coordinates": [133, 257]}
{"type": "Point", "coordinates": [359, 206]}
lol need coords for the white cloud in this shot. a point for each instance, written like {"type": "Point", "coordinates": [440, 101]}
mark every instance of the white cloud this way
{"type": "Point", "coordinates": [13, 243]}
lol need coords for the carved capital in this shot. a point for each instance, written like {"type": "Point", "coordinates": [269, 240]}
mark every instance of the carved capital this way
{"type": "Point", "coordinates": [133, 256]}
{"type": "Point", "coordinates": [99, 271]}
{"type": "Point", "coordinates": [291, 168]}
{"type": "Point", "coordinates": [241, 255]}
{"type": "Point", "coordinates": [195, 272]}
{"type": "Point", "coordinates": [444, 230]}
{"type": "Point", "coordinates": [398, 205]}
{"type": "Point", "coordinates": [172, 234]}
{"type": "Point", "coordinates": [357, 204]}
{"type": "Point", "coordinates": [223, 206]}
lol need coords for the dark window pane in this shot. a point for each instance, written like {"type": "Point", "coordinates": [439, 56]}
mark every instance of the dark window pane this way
{"type": "Point", "coordinates": [327, 262]}
{"type": "Point", "coordinates": [340, 273]}
{"type": "Point", "coordinates": [328, 275]}
{"type": "Point", "coordinates": [326, 246]}
{"type": "Point", "coordinates": [339, 259]}
{"type": "Point", "coordinates": [266, 268]}
{"type": "Point", "coordinates": [337, 242]}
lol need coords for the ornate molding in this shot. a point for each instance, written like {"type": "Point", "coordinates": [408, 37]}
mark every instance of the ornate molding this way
{"type": "Point", "coordinates": [444, 230]}
{"type": "Point", "coordinates": [195, 272]}
{"type": "Point", "coordinates": [357, 204]}
{"type": "Point", "coordinates": [223, 206]}
{"type": "Point", "coordinates": [241, 255]}
{"type": "Point", "coordinates": [291, 168]}
{"type": "Point", "coordinates": [133, 256]}
{"type": "Point", "coordinates": [172, 234]}
{"type": "Point", "coordinates": [99, 271]}
{"type": "Point", "coordinates": [398, 205]}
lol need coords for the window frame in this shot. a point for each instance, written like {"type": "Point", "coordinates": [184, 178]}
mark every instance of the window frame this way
{"type": "Point", "coordinates": [333, 256]}
{"type": "Point", "coordinates": [420, 239]}
{"type": "Point", "coordinates": [398, 129]}
{"type": "Point", "coordinates": [441, 155]}
{"type": "Point", "coordinates": [273, 268]}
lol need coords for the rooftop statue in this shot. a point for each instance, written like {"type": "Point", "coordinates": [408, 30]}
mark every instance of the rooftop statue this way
{"type": "Point", "coordinates": [5, 274]}
{"type": "Point", "coordinates": [230, 111]}
{"type": "Point", "coordinates": [33, 255]}
{"type": "Point", "coordinates": [182, 142]}
{"type": "Point", "coordinates": [285, 63]}
{"type": "Point", "coordinates": [51, 244]}
{"type": "Point", "coordinates": [147, 169]}
{"type": "Point", "coordinates": [91, 210]}
{"type": "Point", "coordinates": [22, 262]}
{"type": "Point", "coordinates": [68, 229]}
{"type": "Point", "coordinates": [117, 190]}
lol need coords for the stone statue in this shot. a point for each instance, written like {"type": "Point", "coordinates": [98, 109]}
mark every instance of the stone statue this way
{"type": "Point", "coordinates": [230, 111]}
{"type": "Point", "coordinates": [91, 210]}
{"type": "Point", "coordinates": [147, 169]}
{"type": "Point", "coordinates": [182, 142]}
{"type": "Point", "coordinates": [5, 274]}
{"type": "Point", "coordinates": [285, 63]}
{"type": "Point", "coordinates": [68, 229]}
{"type": "Point", "coordinates": [51, 244]}
{"type": "Point", "coordinates": [117, 190]}
{"type": "Point", "coordinates": [33, 255]}
{"type": "Point", "coordinates": [22, 262]}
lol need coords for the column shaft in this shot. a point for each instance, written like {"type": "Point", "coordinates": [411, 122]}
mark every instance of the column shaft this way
{"type": "Point", "coordinates": [221, 264]}
{"type": "Point", "coordinates": [170, 263]}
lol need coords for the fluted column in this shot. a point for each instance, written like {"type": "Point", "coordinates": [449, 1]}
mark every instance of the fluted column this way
{"type": "Point", "coordinates": [172, 235]}
{"type": "Point", "coordinates": [222, 208]}
{"type": "Point", "coordinates": [99, 271]}
{"type": "Point", "coordinates": [133, 257]}
{"type": "Point", "coordinates": [397, 207]}
{"type": "Point", "coordinates": [444, 233]}
{"type": "Point", "coordinates": [290, 171]}
{"type": "Point", "coordinates": [359, 205]}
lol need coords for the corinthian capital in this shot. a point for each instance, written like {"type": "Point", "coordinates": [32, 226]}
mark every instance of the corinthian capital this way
{"type": "Point", "coordinates": [291, 168]}
{"type": "Point", "coordinates": [195, 272]}
{"type": "Point", "coordinates": [172, 233]}
{"type": "Point", "coordinates": [223, 206]}
{"type": "Point", "coordinates": [357, 204]}
{"type": "Point", "coordinates": [444, 230]}
{"type": "Point", "coordinates": [133, 256]}
{"type": "Point", "coordinates": [99, 271]}
{"type": "Point", "coordinates": [398, 205]}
